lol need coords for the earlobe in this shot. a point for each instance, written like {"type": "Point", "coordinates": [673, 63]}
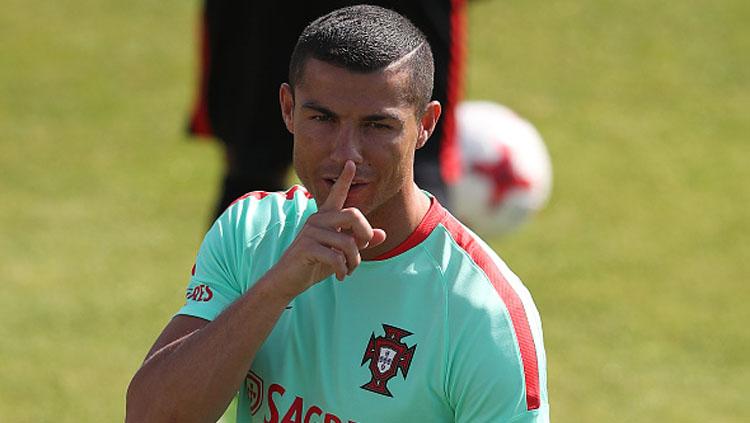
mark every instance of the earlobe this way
{"type": "Point", "coordinates": [286, 101]}
{"type": "Point", "coordinates": [424, 135]}
{"type": "Point", "coordinates": [428, 122]}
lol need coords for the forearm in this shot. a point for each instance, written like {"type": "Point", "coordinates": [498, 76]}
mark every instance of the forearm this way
{"type": "Point", "coordinates": [195, 377]}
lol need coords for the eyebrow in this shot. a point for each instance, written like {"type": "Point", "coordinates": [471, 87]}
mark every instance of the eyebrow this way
{"type": "Point", "coordinates": [318, 108]}
{"type": "Point", "coordinates": [378, 117]}
{"type": "Point", "coordinates": [382, 117]}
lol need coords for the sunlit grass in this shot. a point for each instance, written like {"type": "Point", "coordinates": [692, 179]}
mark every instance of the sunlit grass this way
{"type": "Point", "coordinates": [638, 264]}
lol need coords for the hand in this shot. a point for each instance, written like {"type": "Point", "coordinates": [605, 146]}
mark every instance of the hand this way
{"type": "Point", "coordinates": [330, 240]}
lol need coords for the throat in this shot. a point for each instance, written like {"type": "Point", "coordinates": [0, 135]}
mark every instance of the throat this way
{"type": "Point", "coordinates": [398, 221]}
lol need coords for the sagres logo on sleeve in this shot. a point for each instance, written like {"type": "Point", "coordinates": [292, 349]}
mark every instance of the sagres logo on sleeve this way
{"type": "Point", "coordinates": [386, 355]}
{"type": "Point", "coordinates": [200, 293]}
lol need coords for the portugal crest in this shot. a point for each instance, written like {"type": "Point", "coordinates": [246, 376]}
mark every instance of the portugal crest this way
{"type": "Point", "coordinates": [254, 386]}
{"type": "Point", "coordinates": [386, 355]}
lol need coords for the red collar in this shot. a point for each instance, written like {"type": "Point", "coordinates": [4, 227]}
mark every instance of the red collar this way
{"type": "Point", "coordinates": [434, 215]}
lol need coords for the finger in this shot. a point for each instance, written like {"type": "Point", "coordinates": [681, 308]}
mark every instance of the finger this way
{"type": "Point", "coordinates": [378, 237]}
{"type": "Point", "coordinates": [342, 242]}
{"type": "Point", "coordinates": [340, 189]}
{"type": "Point", "coordinates": [331, 259]}
{"type": "Point", "coordinates": [353, 222]}
{"type": "Point", "coordinates": [351, 257]}
{"type": "Point", "coordinates": [350, 221]}
{"type": "Point", "coordinates": [351, 253]}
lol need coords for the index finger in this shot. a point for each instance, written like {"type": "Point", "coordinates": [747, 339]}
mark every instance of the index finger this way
{"type": "Point", "coordinates": [340, 189]}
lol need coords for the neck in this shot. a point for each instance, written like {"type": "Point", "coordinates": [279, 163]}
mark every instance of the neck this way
{"type": "Point", "coordinates": [398, 219]}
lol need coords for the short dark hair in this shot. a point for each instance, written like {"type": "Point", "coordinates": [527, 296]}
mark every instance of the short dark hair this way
{"type": "Point", "coordinates": [366, 39]}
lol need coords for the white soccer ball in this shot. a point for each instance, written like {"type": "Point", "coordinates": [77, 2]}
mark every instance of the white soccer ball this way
{"type": "Point", "coordinates": [506, 170]}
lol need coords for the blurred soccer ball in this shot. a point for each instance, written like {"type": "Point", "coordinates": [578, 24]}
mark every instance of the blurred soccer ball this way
{"type": "Point", "coordinates": [506, 170]}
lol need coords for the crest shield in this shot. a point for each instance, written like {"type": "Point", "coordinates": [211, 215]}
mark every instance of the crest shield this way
{"type": "Point", "coordinates": [254, 385]}
{"type": "Point", "coordinates": [385, 359]}
{"type": "Point", "coordinates": [387, 354]}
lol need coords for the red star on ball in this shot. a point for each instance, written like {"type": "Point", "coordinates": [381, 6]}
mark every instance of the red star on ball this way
{"type": "Point", "coordinates": [502, 175]}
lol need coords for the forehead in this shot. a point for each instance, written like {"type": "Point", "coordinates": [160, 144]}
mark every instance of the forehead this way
{"type": "Point", "coordinates": [343, 90]}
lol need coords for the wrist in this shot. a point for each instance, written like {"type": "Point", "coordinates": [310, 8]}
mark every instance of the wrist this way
{"type": "Point", "coordinates": [274, 287]}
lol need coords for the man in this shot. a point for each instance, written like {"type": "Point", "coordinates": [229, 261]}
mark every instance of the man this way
{"type": "Point", "coordinates": [245, 57]}
{"type": "Point", "coordinates": [359, 298]}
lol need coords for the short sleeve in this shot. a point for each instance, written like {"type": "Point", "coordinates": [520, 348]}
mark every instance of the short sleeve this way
{"type": "Point", "coordinates": [489, 379]}
{"type": "Point", "coordinates": [213, 285]}
{"type": "Point", "coordinates": [243, 243]}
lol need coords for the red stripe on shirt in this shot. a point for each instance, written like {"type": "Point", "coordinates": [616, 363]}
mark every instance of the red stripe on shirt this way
{"type": "Point", "coordinates": [511, 300]}
{"type": "Point", "coordinates": [289, 194]}
{"type": "Point", "coordinates": [258, 195]}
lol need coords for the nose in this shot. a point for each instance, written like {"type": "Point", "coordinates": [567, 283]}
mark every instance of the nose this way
{"type": "Point", "coordinates": [347, 145]}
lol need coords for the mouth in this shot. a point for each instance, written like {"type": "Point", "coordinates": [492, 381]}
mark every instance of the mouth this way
{"type": "Point", "coordinates": [355, 184]}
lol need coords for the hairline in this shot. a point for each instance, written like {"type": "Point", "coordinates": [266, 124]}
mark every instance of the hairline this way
{"type": "Point", "coordinates": [400, 65]}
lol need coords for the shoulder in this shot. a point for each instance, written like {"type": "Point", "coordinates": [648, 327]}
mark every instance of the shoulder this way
{"type": "Point", "coordinates": [259, 212]}
{"type": "Point", "coordinates": [466, 259]}
{"type": "Point", "coordinates": [492, 311]}
{"type": "Point", "coordinates": [272, 205]}
{"type": "Point", "coordinates": [468, 264]}
{"type": "Point", "coordinates": [257, 222]}
{"type": "Point", "coordinates": [244, 242]}
{"type": "Point", "coordinates": [480, 280]}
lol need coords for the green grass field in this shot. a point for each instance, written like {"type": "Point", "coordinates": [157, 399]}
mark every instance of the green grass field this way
{"type": "Point", "coordinates": [639, 264]}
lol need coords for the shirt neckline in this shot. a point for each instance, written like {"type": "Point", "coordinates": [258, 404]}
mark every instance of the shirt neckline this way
{"type": "Point", "coordinates": [431, 219]}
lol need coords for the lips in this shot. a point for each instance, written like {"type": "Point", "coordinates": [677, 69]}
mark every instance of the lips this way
{"type": "Point", "coordinates": [358, 193]}
{"type": "Point", "coordinates": [331, 175]}
{"type": "Point", "coordinates": [356, 184]}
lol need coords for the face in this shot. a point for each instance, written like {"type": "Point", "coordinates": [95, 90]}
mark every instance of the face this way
{"type": "Point", "coordinates": [337, 115]}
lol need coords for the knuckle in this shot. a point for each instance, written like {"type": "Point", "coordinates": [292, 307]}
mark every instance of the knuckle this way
{"type": "Point", "coordinates": [309, 232]}
{"type": "Point", "coordinates": [312, 222]}
{"type": "Point", "coordinates": [335, 258]}
{"type": "Point", "coordinates": [314, 217]}
{"type": "Point", "coordinates": [356, 218]}
{"type": "Point", "coordinates": [341, 260]}
{"type": "Point", "coordinates": [352, 213]}
{"type": "Point", "coordinates": [350, 243]}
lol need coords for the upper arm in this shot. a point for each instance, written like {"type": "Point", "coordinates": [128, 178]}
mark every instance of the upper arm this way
{"type": "Point", "coordinates": [491, 384]}
{"type": "Point", "coordinates": [486, 377]}
{"type": "Point", "coordinates": [214, 284]}
{"type": "Point", "coordinates": [497, 364]}
{"type": "Point", "coordinates": [177, 330]}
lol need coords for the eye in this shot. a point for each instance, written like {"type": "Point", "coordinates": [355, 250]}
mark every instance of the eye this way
{"type": "Point", "coordinates": [377, 125]}
{"type": "Point", "coordinates": [321, 118]}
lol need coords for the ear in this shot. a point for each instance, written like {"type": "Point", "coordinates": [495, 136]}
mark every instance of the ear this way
{"type": "Point", "coordinates": [286, 100]}
{"type": "Point", "coordinates": [427, 122]}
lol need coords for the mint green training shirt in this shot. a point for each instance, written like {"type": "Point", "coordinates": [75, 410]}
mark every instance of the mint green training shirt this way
{"type": "Point", "coordinates": [437, 330]}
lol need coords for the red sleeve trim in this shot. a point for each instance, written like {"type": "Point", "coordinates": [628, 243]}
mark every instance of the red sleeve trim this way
{"type": "Point", "coordinates": [289, 194]}
{"type": "Point", "coordinates": [511, 300]}
{"type": "Point", "coordinates": [258, 195]}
